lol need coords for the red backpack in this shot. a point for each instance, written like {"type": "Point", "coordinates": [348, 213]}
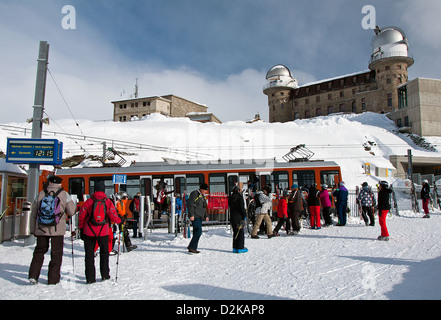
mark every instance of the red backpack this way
{"type": "Point", "coordinates": [99, 212]}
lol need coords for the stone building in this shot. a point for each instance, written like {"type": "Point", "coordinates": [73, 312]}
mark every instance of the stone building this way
{"type": "Point", "coordinates": [376, 89]}
{"type": "Point", "coordinates": [169, 105]}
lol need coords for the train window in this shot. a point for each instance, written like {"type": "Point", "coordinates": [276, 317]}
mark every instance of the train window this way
{"type": "Point", "coordinates": [232, 181]}
{"type": "Point", "coordinates": [280, 179]}
{"type": "Point", "coordinates": [217, 182]}
{"type": "Point", "coordinates": [132, 186]}
{"type": "Point", "coordinates": [77, 187]}
{"type": "Point", "coordinates": [193, 182]}
{"type": "Point", "coordinates": [110, 187]}
{"type": "Point", "coordinates": [329, 177]}
{"type": "Point", "coordinates": [303, 177]}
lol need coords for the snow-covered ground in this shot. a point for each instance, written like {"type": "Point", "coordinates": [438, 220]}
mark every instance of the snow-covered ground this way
{"type": "Point", "coordinates": [331, 263]}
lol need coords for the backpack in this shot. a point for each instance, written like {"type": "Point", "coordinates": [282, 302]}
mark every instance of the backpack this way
{"type": "Point", "coordinates": [99, 209]}
{"type": "Point", "coordinates": [257, 202]}
{"type": "Point", "coordinates": [49, 213]}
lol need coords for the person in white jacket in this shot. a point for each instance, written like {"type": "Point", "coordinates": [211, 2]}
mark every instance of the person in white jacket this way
{"type": "Point", "coordinates": [262, 213]}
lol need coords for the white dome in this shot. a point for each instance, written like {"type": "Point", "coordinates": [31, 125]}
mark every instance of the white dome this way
{"type": "Point", "coordinates": [278, 71]}
{"type": "Point", "coordinates": [389, 42]}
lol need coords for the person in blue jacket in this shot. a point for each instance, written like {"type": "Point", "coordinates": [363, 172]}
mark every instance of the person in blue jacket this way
{"type": "Point", "coordinates": [341, 196]}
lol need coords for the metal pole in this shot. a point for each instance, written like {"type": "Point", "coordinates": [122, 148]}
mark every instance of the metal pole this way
{"type": "Point", "coordinates": [40, 88]}
{"type": "Point", "coordinates": [141, 215]}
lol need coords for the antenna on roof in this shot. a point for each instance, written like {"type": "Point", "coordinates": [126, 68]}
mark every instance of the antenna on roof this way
{"type": "Point", "coordinates": [136, 88]}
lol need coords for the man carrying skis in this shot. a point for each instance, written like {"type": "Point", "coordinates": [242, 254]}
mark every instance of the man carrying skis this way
{"type": "Point", "coordinates": [50, 233]}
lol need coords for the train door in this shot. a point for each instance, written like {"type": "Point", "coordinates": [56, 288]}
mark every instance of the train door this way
{"type": "Point", "coordinates": [146, 186]}
{"type": "Point", "coordinates": [180, 183]}
{"type": "Point", "coordinates": [233, 180]}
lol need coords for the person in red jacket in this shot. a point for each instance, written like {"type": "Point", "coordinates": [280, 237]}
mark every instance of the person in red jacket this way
{"type": "Point", "coordinates": [91, 233]}
{"type": "Point", "coordinates": [282, 213]}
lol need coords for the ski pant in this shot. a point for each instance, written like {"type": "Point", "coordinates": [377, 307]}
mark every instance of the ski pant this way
{"type": "Point", "coordinates": [280, 223]}
{"type": "Point", "coordinates": [89, 249]}
{"type": "Point", "coordinates": [315, 216]}
{"type": "Point", "coordinates": [368, 212]}
{"type": "Point", "coordinates": [57, 243]}
{"type": "Point", "coordinates": [426, 206]}
{"type": "Point", "coordinates": [259, 218]}
{"type": "Point", "coordinates": [197, 232]}
{"type": "Point", "coordinates": [327, 215]}
{"type": "Point", "coordinates": [341, 212]}
{"type": "Point", "coordinates": [295, 220]}
{"type": "Point", "coordinates": [238, 237]}
{"type": "Point", "coordinates": [382, 214]}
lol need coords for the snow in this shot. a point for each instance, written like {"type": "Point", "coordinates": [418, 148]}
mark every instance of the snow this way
{"type": "Point", "coordinates": [331, 263]}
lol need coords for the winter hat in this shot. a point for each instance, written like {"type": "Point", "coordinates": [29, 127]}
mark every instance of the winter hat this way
{"type": "Point", "coordinates": [99, 186]}
{"type": "Point", "coordinates": [204, 186]}
{"type": "Point", "coordinates": [54, 179]}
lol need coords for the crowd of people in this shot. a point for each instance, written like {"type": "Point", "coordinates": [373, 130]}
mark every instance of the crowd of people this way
{"type": "Point", "coordinates": [102, 220]}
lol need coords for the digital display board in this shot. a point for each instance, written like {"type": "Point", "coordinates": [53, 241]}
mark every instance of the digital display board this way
{"type": "Point", "coordinates": [41, 151]}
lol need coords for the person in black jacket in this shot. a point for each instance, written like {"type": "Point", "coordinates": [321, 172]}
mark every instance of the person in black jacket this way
{"type": "Point", "coordinates": [425, 197]}
{"type": "Point", "coordinates": [237, 220]}
{"type": "Point", "coordinates": [383, 209]}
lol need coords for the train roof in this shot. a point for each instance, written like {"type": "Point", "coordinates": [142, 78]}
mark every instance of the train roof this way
{"type": "Point", "coordinates": [195, 167]}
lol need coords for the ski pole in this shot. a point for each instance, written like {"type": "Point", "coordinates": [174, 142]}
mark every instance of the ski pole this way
{"type": "Point", "coordinates": [117, 258]}
{"type": "Point", "coordinates": [71, 241]}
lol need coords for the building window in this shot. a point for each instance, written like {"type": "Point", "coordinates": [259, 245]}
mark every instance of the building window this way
{"type": "Point", "coordinates": [296, 115]}
{"type": "Point", "coordinates": [307, 114]}
{"type": "Point", "coordinates": [402, 97]}
{"type": "Point", "coordinates": [342, 107]}
{"type": "Point", "coordinates": [317, 99]}
{"type": "Point", "coordinates": [399, 124]}
{"type": "Point", "coordinates": [389, 99]}
{"type": "Point", "coordinates": [329, 96]}
{"type": "Point", "coordinates": [406, 121]}
{"type": "Point", "coordinates": [342, 94]}
{"type": "Point", "coordinates": [318, 112]}
{"type": "Point", "coordinates": [330, 109]}
{"type": "Point", "coordinates": [388, 81]}
{"type": "Point", "coordinates": [354, 107]}
{"type": "Point", "coordinates": [363, 104]}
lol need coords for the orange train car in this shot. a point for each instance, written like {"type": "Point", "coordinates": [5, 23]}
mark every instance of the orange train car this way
{"type": "Point", "coordinates": [183, 178]}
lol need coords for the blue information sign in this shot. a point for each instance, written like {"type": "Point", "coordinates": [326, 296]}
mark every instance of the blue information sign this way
{"type": "Point", "coordinates": [41, 151]}
{"type": "Point", "coordinates": [119, 179]}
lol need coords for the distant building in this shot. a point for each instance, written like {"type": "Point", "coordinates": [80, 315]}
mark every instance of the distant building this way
{"type": "Point", "coordinates": [380, 89]}
{"type": "Point", "coordinates": [169, 105]}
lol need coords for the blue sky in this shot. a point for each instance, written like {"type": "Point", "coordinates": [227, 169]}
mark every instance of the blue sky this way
{"type": "Point", "coordinates": [213, 52]}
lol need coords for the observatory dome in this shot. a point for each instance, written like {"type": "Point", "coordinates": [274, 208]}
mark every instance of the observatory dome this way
{"type": "Point", "coordinates": [278, 71]}
{"type": "Point", "coordinates": [389, 42]}
{"type": "Point", "coordinates": [279, 77]}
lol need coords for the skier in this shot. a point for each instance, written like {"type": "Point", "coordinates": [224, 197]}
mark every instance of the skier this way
{"type": "Point", "coordinates": [197, 211]}
{"type": "Point", "coordinates": [121, 209]}
{"type": "Point", "coordinates": [262, 213]}
{"type": "Point", "coordinates": [91, 233]}
{"type": "Point", "coordinates": [282, 214]}
{"type": "Point", "coordinates": [425, 198]}
{"type": "Point", "coordinates": [314, 207]}
{"type": "Point", "coordinates": [134, 207]}
{"type": "Point", "coordinates": [383, 209]}
{"type": "Point", "coordinates": [367, 200]}
{"type": "Point", "coordinates": [326, 205]}
{"type": "Point", "coordinates": [52, 234]}
{"type": "Point", "coordinates": [178, 211]}
{"type": "Point", "coordinates": [238, 215]}
{"type": "Point", "coordinates": [295, 208]}
{"type": "Point", "coordinates": [341, 195]}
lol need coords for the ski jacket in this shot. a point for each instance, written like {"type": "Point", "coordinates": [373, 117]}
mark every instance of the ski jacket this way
{"type": "Point", "coordinates": [86, 225]}
{"type": "Point", "coordinates": [324, 198]}
{"type": "Point", "coordinates": [121, 207]}
{"type": "Point", "coordinates": [366, 197]}
{"type": "Point", "coordinates": [425, 191]}
{"type": "Point", "coordinates": [295, 201]}
{"type": "Point", "coordinates": [384, 199]}
{"type": "Point", "coordinates": [67, 207]}
{"type": "Point", "coordinates": [237, 208]}
{"type": "Point", "coordinates": [341, 195]}
{"type": "Point", "coordinates": [266, 202]}
{"type": "Point", "coordinates": [282, 208]}
{"type": "Point", "coordinates": [313, 197]}
{"type": "Point", "coordinates": [197, 205]}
